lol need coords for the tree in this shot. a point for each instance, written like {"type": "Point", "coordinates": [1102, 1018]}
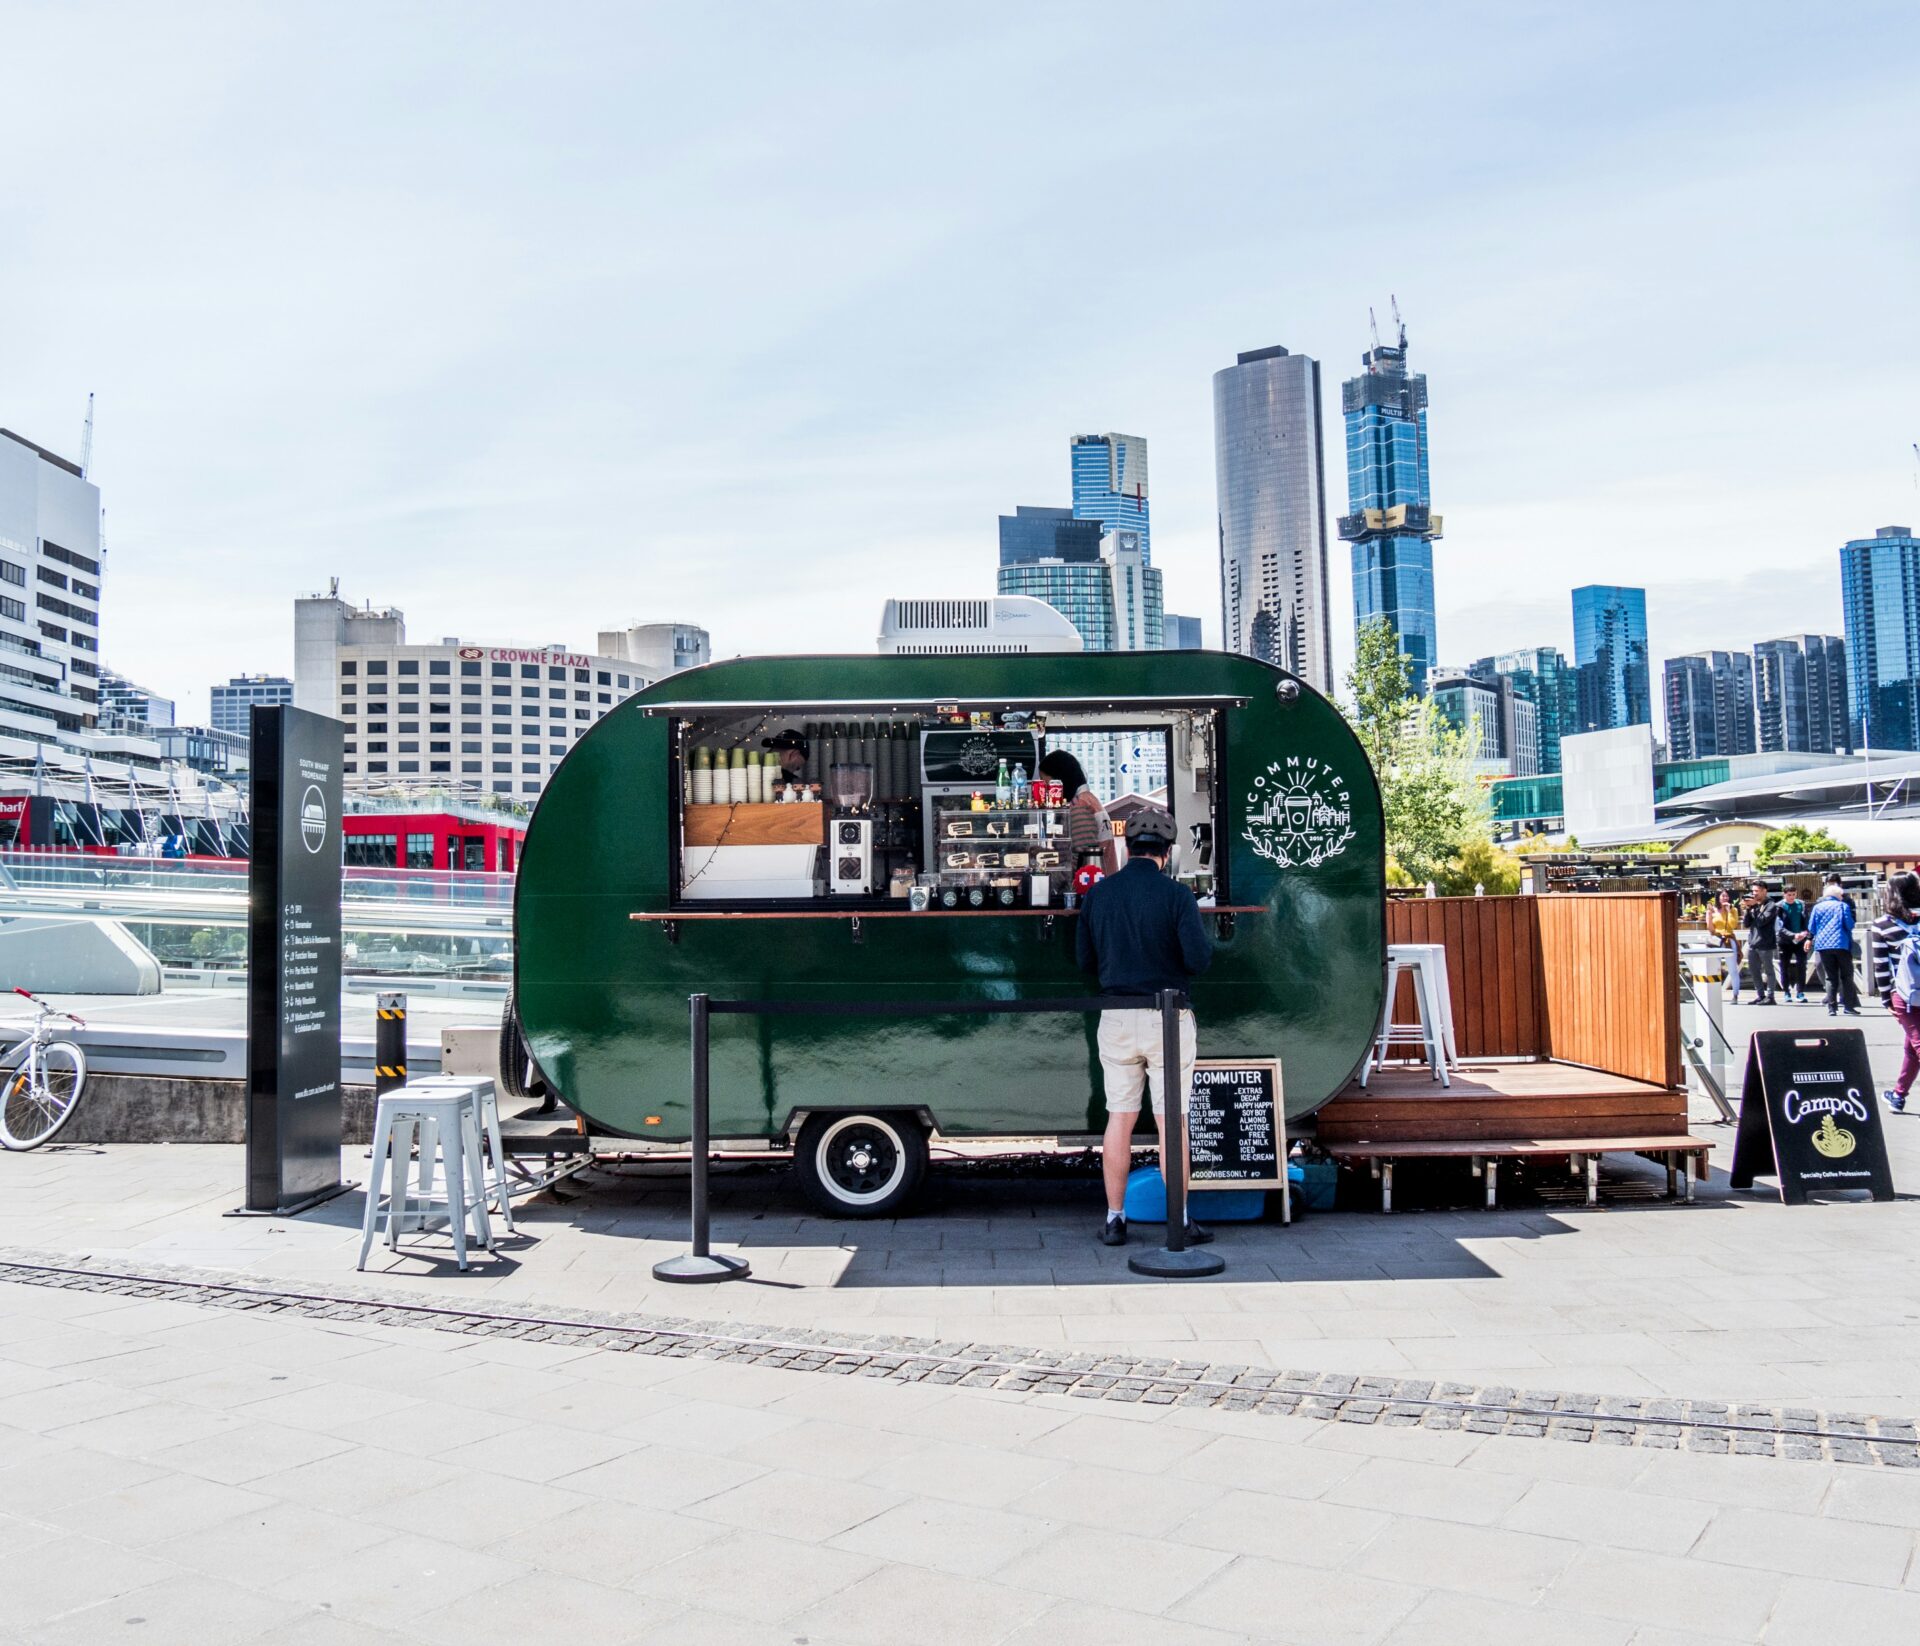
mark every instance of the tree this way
{"type": "Point", "coordinates": [1381, 681]}
{"type": "Point", "coordinates": [1480, 866]}
{"type": "Point", "coordinates": [1434, 804]}
{"type": "Point", "coordinates": [1795, 840]}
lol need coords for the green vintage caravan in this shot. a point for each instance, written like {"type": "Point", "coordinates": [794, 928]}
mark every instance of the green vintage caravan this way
{"type": "Point", "coordinates": [675, 851]}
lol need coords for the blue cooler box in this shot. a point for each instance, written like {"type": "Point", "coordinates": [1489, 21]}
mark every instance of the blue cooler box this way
{"type": "Point", "coordinates": [1147, 1201]}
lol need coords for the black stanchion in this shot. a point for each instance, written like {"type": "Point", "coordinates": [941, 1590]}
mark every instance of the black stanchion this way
{"type": "Point", "coordinates": [1177, 1261]}
{"type": "Point", "coordinates": [389, 1043]}
{"type": "Point", "coordinates": [699, 1264]}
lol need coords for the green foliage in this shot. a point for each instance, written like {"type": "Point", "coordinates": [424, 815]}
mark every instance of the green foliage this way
{"type": "Point", "coordinates": [1381, 683]}
{"type": "Point", "coordinates": [1480, 865]}
{"type": "Point", "coordinates": [1795, 840]}
{"type": "Point", "coordinates": [1435, 806]}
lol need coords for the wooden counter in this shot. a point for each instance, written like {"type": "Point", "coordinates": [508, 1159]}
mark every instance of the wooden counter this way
{"type": "Point", "coordinates": [756, 823]}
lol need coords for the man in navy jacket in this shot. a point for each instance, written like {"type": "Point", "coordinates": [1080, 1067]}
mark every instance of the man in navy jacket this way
{"type": "Point", "coordinates": [1141, 931]}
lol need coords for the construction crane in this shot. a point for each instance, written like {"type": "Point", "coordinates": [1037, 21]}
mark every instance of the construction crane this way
{"type": "Point", "coordinates": [1399, 324]}
{"type": "Point", "coordinates": [1373, 325]}
{"type": "Point", "coordinates": [86, 441]}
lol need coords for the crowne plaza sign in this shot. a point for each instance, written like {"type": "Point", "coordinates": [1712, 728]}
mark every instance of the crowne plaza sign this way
{"type": "Point", "coordinates": [521, 654]}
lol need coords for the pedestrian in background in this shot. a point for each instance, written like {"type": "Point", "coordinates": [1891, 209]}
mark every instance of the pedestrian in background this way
{"type": "Point", "coordinates": [1896, 976]}
{"type": "Point", "coordinates": [1793, 946]}
{"type": "Point", "coordinates": [1830, 927]}
{"type": "Point", "coordinates": [1763, 938]}
{"type": "Point", "coordinates": [1723, 925]}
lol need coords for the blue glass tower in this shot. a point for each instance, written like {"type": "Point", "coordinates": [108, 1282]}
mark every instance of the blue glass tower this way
{"type": "Point", "coordinates": [1610, 653]}
{"type": "Point", "coordinates": [1540, 675]}
{"type": "Point", "coordinates": [1880, 589]}
{"type": "Point", "coordinates": [1110, 484]}
{"type": "Point", "coordinates": [1390, 520]}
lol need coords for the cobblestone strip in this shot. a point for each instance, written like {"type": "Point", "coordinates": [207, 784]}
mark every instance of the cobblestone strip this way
{"type": "Point", "coordinates": [1582, 1419]}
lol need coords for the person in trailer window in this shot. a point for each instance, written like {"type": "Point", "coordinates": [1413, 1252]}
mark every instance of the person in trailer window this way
{"type": "Point", "coordinates": [1089, 832]}
{"type": "Point", "coordinates": [792, 749]}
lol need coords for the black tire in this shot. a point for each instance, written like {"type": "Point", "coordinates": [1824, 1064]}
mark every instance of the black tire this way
{"type": "Point", "coordinates": [519, 1074]}
{"type": "Point", "coordinates": [861, 1165]}
{"type": "Point", "coordinates": [28, 1120]}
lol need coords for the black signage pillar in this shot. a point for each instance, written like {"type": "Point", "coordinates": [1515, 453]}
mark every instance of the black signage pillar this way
{"type": "Point", "coordinates": [293, 962]}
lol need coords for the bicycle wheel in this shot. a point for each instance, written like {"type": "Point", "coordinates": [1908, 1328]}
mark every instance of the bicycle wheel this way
{"type": "Point", "coordinates": [30, 1117]}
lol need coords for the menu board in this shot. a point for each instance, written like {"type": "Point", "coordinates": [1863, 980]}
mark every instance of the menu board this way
{"type": "Point", "coordinates": [293, 961]}
{"type": "Point", "coordinates": [1236, 1126]}
{"type": "Point", "coordinates": [1808, 1116]}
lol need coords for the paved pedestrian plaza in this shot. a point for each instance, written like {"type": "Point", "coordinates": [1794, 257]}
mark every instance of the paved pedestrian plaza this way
{"type": "Point", "coordinates": [1645, 1422]}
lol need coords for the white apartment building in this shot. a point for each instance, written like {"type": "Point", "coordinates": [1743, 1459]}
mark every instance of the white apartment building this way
{"type": "Point", "coordinates": [50, 676]}
{"type": "Point", "coordinates": [453, 715]}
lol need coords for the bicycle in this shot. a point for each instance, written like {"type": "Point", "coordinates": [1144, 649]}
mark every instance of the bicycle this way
{"type": "Point", "coordinates": [43, 1091]}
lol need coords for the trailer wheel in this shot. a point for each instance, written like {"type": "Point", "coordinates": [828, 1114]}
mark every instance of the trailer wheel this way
{"type": "Point", "coordinates": [861, 1165]}
{"type": "Point", "coordinates": [519, 1074]}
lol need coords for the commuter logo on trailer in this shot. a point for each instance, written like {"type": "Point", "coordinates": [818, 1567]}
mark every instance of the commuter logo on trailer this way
{"type": "Point", "coordinates": [1299, 813]}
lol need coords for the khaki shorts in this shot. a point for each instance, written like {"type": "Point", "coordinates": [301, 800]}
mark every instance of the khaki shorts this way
{"type": "Point", "coordinates": [1131, 1051]}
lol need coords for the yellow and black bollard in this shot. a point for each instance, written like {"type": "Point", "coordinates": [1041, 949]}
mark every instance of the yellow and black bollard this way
{"type": "Point", "coordinates": [390, 1043]}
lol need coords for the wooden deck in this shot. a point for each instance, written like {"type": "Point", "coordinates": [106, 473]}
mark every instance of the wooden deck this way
{"type": "Point", "coordinates": [1496, 1111]}
{"type": "Point", "coordinates": [1489, 1100]}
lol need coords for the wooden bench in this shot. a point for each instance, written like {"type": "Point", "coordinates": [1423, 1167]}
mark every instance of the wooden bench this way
{"type": "Point", "coordinates": [1498, 1111]}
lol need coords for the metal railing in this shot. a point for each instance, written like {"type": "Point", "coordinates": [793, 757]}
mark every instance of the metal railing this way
{"type": "Point", "coordinates": [425, 922]}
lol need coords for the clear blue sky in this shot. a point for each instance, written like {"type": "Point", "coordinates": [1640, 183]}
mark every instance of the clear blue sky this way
{"type": "Point", "coordinates": [533, 320]}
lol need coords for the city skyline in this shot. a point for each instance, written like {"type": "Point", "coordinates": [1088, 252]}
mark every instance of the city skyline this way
{"type": "Point", "coordinates": [540, 349]}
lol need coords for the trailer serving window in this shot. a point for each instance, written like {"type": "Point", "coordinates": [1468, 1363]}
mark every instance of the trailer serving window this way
{"type": "Point", "coordinates": [813, 807]}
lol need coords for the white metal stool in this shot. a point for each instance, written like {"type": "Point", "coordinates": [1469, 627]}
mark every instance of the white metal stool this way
{"type": "Point", "coordinates": [1426, 965]}
{"type": "Point", "coordinates": [495, 1174]}
{"type": "Point", "coordinates": [446, 1122]}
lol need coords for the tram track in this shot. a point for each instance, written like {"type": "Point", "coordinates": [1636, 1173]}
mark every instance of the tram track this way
{"type": "Point", "coordinates": [1648, 1423]}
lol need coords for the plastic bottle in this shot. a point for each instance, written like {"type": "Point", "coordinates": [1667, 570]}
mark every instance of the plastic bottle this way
{"type": "Point", "coordinates": [1019, 791]}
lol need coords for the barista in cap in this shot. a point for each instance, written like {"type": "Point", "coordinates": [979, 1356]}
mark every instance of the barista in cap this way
{"type": "Point", "coordinates": [1140, 930]}
{"type": "Point", "coordinates": [792, 749]}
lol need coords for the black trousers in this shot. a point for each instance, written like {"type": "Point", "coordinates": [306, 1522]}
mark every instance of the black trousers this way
{"type": "Point", "coordinates": [1760, 971]}
{"type": "Point", "coordinates": [1837, 966]}
{"type": "Point", "coordinates": [1793, 969]}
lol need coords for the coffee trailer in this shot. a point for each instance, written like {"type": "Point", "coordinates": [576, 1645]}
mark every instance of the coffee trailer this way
{"type": "Point", "coordinates": [642, 883]}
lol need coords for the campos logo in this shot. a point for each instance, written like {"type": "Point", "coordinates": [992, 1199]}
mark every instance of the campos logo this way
{"type": "Point", "coordinates": [1299, 813]}
{"type": "Point", "coordinates": [313, 818]}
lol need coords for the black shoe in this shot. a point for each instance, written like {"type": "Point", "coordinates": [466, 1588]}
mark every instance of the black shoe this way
{"type": "Point", "coordinates": [1198, 1234]}
{"type": "Point", "coordinates": [1114, 1231]}
{"type": "Point", "coordinates": [1853, 1011]}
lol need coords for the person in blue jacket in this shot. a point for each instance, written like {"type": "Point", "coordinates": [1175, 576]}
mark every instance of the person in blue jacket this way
{"type": "Point", "coordinates": [1830, 926]}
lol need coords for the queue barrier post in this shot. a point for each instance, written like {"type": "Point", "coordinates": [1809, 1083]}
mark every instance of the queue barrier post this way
{"type": "Point", "coordinates": [700, 1265]}
{"type": "Point", "coordinates": [389, 1042]}
{"type": "Point", "coordinates": [1176, 1261]}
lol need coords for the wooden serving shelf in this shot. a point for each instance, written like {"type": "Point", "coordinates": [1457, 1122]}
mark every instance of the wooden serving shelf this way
{"type": "Point", "coordinates": [755, 823]}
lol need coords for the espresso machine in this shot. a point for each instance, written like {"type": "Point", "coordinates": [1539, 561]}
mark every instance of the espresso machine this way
{"type": "Point", "coordinates": [849, 829]}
